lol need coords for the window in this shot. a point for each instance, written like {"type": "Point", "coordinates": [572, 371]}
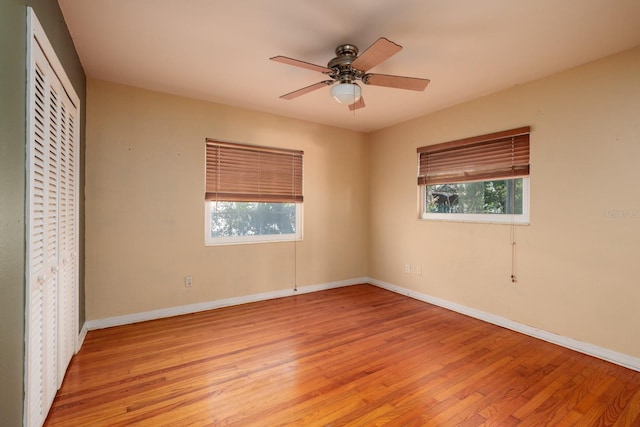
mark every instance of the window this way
{"type": "Point", "coordinates": [481, 179]}
{"type": "Point", "coordinates": [253, 193]}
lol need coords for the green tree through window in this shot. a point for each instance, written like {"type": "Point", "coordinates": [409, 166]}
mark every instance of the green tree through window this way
{"type": "Point", "coordinates": [483, 197]}
{"type": "Point", "coordinates": [252, 219]}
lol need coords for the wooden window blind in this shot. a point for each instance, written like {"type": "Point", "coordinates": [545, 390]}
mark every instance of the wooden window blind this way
{"type": "Point", "coordinates": [479, 158]}
{"type": "Point", "coordinates": [249, 173]}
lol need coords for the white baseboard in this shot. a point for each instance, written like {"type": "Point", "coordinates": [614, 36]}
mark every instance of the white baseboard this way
{"type": "Point", "coordinates": [81, 336]}
{"type": "Point", "coordinates": [210, 305]}
{"type": "Point", "coordinates": [580, 346]}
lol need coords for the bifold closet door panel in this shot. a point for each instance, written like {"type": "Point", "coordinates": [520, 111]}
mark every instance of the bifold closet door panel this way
{"type": "Point", "coordinates": [43, 236]}
{"type": "Point", "coordinates": [67, 225]}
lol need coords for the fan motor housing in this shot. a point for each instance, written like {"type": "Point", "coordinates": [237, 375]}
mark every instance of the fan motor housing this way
{"type": "Point", "coordinates": [345, 55]}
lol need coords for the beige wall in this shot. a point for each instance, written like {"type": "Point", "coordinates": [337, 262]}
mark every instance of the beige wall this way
{"type": "Point", "coordinates": [145, 207]}
{"type": "Point", "coordinates": [578, 262]}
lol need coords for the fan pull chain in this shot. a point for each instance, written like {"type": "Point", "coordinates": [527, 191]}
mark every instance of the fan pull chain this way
{"type": "Point", "coordinates": [514, 278]}
{"type": "Point", "coordinates": [295, 265]}
{"type": "Point", "coordinates": [512, 201]}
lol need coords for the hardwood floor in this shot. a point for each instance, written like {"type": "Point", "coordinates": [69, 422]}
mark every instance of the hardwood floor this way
{"type": "Point", "coordinates": [358, 356]}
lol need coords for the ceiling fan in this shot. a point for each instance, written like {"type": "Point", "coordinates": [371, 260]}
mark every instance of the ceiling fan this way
{"type": "Point", "coordinates": [347, 68]}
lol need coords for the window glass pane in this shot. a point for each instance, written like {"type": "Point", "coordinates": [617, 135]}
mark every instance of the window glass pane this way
{"type": "Point", "coordinates": [485, 197]}
{"type": "Point", "coordinates": [229, 219]}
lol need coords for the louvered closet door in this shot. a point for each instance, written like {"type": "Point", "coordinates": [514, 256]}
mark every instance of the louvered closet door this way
{"type": "Point", "coordinates": [43, 244]}
{"type": "Point", "coordinates": [38, 153]}
{"type": "Point", "coordinates": [52, 236]}
{"type": "Point", "coordinates": [67, 226]}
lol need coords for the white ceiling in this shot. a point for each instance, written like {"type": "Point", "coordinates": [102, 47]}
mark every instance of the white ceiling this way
{"type": "Point", "coordinates": [219, 50]}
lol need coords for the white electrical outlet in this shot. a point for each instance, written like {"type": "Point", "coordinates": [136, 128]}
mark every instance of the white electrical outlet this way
{"type": "Point", "coordinates": [188, 281]}
{"type": "Point", "coordinates": [407, 268]}
{"type": "Point", "coordinates": [419, 270]}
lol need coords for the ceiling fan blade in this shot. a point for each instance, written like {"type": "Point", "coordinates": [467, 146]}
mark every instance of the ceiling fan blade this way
{"type": "Point", "coordinates": [379, 51]}
{"type": "Point", "coordinates": [398, 82]}
{"type": "Point", "coordinates": [302, 64]}
{"type": "Point", "coordinates": [357, 105]}
{"type": "Point", "coordinates": [297, 93]}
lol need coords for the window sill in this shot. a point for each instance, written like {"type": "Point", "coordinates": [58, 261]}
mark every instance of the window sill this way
{"type": "Point", "coordinates": [476, 220]}
{"type": "Point", "coordinates": [242, 241]}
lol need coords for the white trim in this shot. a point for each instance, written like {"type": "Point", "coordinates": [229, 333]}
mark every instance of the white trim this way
{"type": "Point", "coordinates": [210, 305]}
{"type": "Point", "coordinates": [570, 343]}
{"type": "Point", "coordinates": [81, 336]}
{"type": "Point", "coordinates": [37, 32]}
{"type": "Point", "coordinates": [580, 346]}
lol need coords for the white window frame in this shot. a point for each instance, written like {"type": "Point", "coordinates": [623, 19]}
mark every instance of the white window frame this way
{"type": "Point", "coordinates": [481, 218]}
{"type": "Point", "coordinates": [262, 238]}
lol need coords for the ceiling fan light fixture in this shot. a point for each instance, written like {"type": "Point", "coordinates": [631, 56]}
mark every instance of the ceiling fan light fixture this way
{"type": "Point", "coordinates": [346, 93]}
